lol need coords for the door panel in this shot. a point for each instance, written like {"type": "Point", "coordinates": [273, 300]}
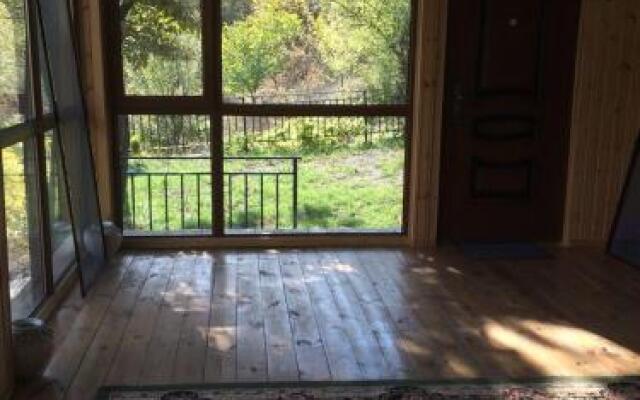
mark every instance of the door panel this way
{"type": "Point", "coordinates": [509, 83]}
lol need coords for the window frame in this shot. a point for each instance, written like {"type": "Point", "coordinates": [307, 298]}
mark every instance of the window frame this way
{"type": "Point", "coordinates": [33, 129]}
{"type": "Point", "coordinates": [211, 103]}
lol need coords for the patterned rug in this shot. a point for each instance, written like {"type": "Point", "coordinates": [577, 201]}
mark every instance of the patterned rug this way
{"type": "Point", "coordinates": [602, 389]}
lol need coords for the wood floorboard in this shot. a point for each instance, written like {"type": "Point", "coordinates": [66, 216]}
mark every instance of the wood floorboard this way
{"type": "Point", "coordinates": [221, 339]}
{"type": "Point", "coordinates": [344, 315]}
{"type": "Point", "coordinates": [192, 346]}
{"type": "Point", "coordinates": [127, 366]}
{"type": "Point", "coordinates": [339, 350]}
{"type": "Point", "coordinates": [98, 358]}
{"type": "Point", "coordinates": [252, 352]}
{"type": "Point", "coordinates": [311, 353]}
{"type": "Point", "coordinates": [282, 365]}
{"type": "Point", "coordinates": [159, 361]}
{"type": "Point", "coordinates": [363, 339]}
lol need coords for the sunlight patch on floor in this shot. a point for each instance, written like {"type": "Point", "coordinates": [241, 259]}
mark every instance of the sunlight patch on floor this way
{"type": "Point", "coordinates": [558, 349]}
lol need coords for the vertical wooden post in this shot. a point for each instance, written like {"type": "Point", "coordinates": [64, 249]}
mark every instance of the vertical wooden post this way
{"type": "Point", "coordinates": [6, 352]}
{"type": "Point", "coordinates": [88, 17]}
{"type": "Point", "coordinates": [426, 127]}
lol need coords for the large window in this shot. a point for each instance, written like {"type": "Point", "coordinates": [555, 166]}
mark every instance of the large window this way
{"type": "Point", "coordinates": [26, 282]}
{"type": "Point", "coordinates": [35, 214]}
{"type": "Point", "coordinates": [262, 116]}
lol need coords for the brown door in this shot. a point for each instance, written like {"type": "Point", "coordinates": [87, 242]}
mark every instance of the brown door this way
{"type": "Point", "coordinates": [509, 82]}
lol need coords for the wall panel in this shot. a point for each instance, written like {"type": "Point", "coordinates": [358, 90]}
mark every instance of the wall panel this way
{"type": "Point", "coordinates": [606, 116]}
{"type": "Point", "coordinates": [89, 29]}
{"type": "Point", "coordinates": [427, 128]}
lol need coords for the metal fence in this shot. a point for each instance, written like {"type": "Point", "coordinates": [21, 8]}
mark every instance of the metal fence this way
{"type": "Point", "coordinates": [255, 197]}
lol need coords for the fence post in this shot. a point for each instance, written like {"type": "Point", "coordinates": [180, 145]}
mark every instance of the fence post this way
{"type": "Point", "coordinates": [295, 193]}
{"type": "Point", "coordinates": [366, 120]}
{"type": "Point", "coordinates": [244, 130]}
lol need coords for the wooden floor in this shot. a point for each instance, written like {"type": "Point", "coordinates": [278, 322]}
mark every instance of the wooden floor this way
{"type": "Point", "coordinates": [167, 318]}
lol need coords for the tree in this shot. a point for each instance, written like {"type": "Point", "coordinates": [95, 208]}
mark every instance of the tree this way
{"type": "Point", "coordinates": [155, 27]}
{"type": "Point", "coordinates": [161, 46]}
{"type": "Point", "coordinates": [255, 48]}
{"type": "Point", "coordinates": [234, 10]}
{"type": "Point", "coordinates": [369, 39]}
{"type": "Point", "coordinates": [13, 67]}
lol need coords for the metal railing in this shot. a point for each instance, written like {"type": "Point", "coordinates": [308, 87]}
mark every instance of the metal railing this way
{"type": "Point", "coordinates": [182, 201]}
{"type": "Point", "coordinates": [191, 134]}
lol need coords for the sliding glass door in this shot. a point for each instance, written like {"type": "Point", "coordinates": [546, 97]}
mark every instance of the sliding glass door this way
{"type": "Point", "coordinates": [254, 117]}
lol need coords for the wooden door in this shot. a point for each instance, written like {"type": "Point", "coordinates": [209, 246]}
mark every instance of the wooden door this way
{"type": "Point", "coordinates": [507, 115]}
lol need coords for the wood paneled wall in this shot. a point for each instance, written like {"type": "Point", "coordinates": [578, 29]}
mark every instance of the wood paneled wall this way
{"type": "Point", "coordinates": [89, 30]}
{"type": "Point", "coordinates": [427, 124]}
{"type": "Point", "coordinates": [606, 116]}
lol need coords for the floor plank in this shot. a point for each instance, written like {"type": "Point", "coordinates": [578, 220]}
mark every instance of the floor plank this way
{"type": "Point", "coordinates": [310, 349]}
{"type": "Point", "coordinates": [252, 353]}
{"type": "Point", "coordinates": [342, 314]}
{"type": "Point", "coordinates": [338, 345]}
{"type": "Point", "coordinates": [159, 363]}
{"type": "Point", "coordinates": [98, 358]}
{"type": "Point", "coordinates": [192, 346]}
{"type": "Point", "coordinates": [281, 356]}
{"type": "Point", "coordinates": [364, 342]}
{"type": "Point", "coordinates": [221, 343]}
{"type": "Point", "coordinates": [127, 366]}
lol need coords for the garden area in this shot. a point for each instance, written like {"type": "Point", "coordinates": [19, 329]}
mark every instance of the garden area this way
{"type": "Point", "coordinates": [281, 174]}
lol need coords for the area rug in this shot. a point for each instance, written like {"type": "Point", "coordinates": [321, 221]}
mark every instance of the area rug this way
{"type": "Point", "coordinates": [505, 251]}
{"type": "Point", "coordinates": [603, 389]}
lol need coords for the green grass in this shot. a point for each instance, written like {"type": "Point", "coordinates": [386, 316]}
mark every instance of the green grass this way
{"type": "Point", "coordinates": [345, 188]}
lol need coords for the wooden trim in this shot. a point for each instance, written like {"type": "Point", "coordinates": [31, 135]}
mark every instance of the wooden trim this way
{"type": "Point", "coordinates": [176, 243]}
{"type": "Point", "coordinates": [16, 134]}
{"type": "Point", "coordinates": [44, 226]}
{"type": "Point", "coordinates": [427, 116]}
{"type": "Point", "coordinates": [212, 104]}
{"type": "Point", "coordinates": [91, 66]}
{"type": "Point", "coordinates": [64, 287]}
{"type": "Point", "coordinates": [6, 369]}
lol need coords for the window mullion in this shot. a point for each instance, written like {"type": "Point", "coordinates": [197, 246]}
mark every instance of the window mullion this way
{"type": "Point", "coordinates": [41, 181]}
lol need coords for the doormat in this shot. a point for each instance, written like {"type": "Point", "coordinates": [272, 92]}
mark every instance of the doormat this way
{"type": "Point", "coordinates": [550, 389]}
{"type": "Point", "coordinates": [505, 251]}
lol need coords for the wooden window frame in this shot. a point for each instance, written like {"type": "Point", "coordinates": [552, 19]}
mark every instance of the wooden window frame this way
{"type": "Point", "coordinates": [211, 103]}
{"type": "Point", "coordinates": [35, 128]}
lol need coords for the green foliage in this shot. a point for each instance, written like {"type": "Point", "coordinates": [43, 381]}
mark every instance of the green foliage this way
{"type": "Point", "coordinates": [157, 27]}
{"type": "Point", "coordinates": [359, 189]}
{"type": "Point", "coordinates": [255, 48]}
{"type": "Point", "coordinates": [233, 10]}
{"type": "Point", "coordinates": [313, 136]}
{"type": "Point", "coordinates": [12, 59]}
{"type": "Point", "coordinates": [369, 39]}
{"type": "Point", "coordinates": [287, 45]}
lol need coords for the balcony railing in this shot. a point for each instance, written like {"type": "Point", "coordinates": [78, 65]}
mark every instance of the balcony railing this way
{"type": "Point", "coordinates": [182, 201]}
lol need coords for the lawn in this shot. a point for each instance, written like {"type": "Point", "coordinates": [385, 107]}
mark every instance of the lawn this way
{"type": "Point", "coordinates": [350, 188]}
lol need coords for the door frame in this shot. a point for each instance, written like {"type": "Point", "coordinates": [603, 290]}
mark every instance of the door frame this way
{"type": "Point", "coordinates": [445, 132]}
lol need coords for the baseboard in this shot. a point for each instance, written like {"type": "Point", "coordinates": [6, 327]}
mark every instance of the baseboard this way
{"type": "Point", "coordinates": [64, 288]}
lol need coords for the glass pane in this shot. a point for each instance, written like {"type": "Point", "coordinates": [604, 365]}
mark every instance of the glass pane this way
{"type": "Point", "coordinates": [14, 100]}
{"type": "Point", "coordinates": [316, 52]}
{"type": "Point", "coordinates": [74, 137]}
{"type": "Point", "coordinates": [23, 239]}
{"type": "Point", "coordinates": [62, 245]}
{"type": "Point", "coordinates": [162, 47]}
{"type": "Point", "coordinates": [314, 174]}
{"type": "Point", "coordinates": [167, 175]}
